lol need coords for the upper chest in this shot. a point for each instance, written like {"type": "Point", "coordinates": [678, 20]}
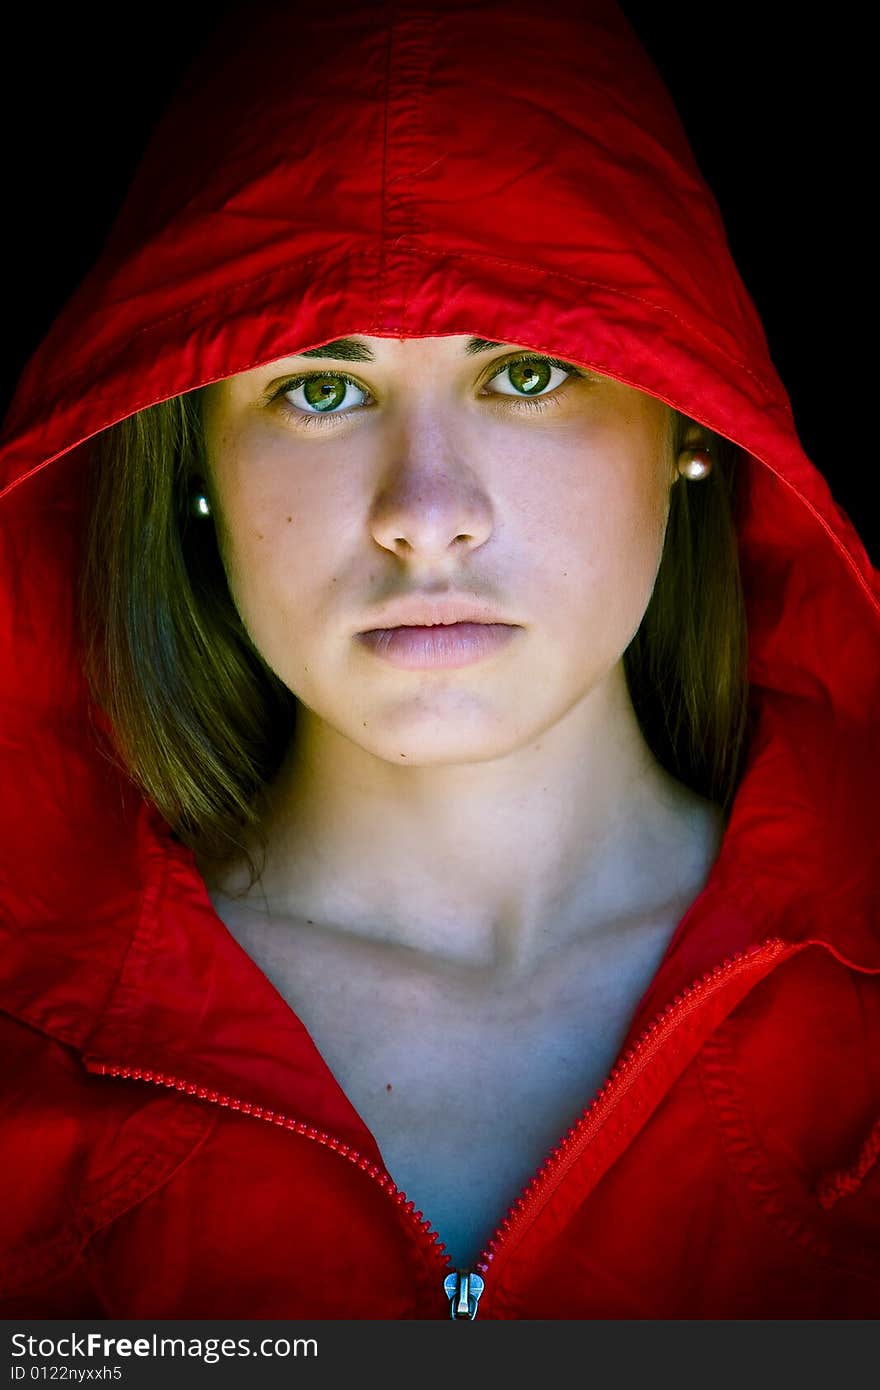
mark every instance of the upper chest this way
{"type": "Point", "coordinates": [465, 1081]}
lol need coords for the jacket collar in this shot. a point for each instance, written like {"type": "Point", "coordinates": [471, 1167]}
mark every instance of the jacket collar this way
{"type": "Point", "coordinates": [156, 981]}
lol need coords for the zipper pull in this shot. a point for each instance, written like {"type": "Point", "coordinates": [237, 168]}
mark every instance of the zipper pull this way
{"type": "Point", "coordinates": [463, 1290]}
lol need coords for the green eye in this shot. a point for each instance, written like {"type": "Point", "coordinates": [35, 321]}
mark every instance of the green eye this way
{"type": "Point", "coordinates": [323, 392]}
{"type": "Point", "coordinates": [531, 374]}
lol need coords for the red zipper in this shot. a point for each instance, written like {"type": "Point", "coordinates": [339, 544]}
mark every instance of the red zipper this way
{"type": "Point", "coordinates": [623, 1074]}
{"type": "Point", "coordinates": [551, 1173]}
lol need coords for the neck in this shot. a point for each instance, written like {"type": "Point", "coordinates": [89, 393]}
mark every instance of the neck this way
{"type": "Point", "coordinates": [484, 864]}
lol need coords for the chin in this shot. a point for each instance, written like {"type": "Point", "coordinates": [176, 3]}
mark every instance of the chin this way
{"type": "Point", "coordinates": [442, 744]}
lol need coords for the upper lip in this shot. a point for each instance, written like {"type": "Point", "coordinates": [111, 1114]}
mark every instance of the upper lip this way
{"type": "Point", "coordinates": [419, 610]}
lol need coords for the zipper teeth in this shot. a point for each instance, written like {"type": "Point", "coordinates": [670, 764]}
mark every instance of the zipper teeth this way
{"type": "Point", "coordinates": [427, 1234]}
{"type": "Point", "coordinates": [559, 1160]}
{"type": "Point", "coordinates": [554, 1166]}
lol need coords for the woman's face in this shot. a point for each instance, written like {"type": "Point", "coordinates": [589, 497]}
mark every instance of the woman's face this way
{"type": "Point", "coordinates": [432, 474]}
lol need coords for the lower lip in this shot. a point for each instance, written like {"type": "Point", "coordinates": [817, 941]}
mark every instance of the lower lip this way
{"type": "Point", "coordinates": [452, 644]}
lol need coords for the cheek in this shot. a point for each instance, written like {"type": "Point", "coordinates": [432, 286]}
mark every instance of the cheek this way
{"type": "Point", "coordinates": [603, 542]}
{"type": "Point", "coordinates": [282, 540]}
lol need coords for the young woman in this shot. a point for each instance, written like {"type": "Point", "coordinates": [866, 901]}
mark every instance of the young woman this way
{"type": "Point", "coordinates": [441, 876]}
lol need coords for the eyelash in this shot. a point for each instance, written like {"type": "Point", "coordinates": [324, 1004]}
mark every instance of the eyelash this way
{"type": "Point", "coordinates": [320, 419]}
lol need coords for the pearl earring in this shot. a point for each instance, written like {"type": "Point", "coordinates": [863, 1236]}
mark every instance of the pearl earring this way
{"type": "Point", "coordinates": [695, 464]}
{"type": "Point", "coordinates": [198, 504]}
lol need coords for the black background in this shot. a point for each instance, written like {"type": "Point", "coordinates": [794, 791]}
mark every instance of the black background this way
{"type": "Point", "coordinates": [774, 98]}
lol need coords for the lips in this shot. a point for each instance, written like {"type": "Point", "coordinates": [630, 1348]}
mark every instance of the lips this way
{"type": "Point", "coordinates": [441, 645]}
{"type": "Point", "coordinates": [426, 609]}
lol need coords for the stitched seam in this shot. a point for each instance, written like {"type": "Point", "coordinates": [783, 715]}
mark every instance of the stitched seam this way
{"type": "Point", "coordinates": [38, 1276]}
{"type": "Point", "coordinates": [123, 1196]}
{"type": "Point", "coordinates": [154, 885]}
{"type": "Point", "coordinates": [72, 1042]}
{"type": "Point", "coordinates": [146, 401]}
{"type": "Point", "coordinates": [843, 1182]}
{"type": "Point", "coordinates": [179, 314]}
{"type": "Point", "coordinates": [52, 1256]}
{"type": "Point", "coordinates": [77, 1262]}
{"type": "Point", "coordinates": [748, 1162]}
{"type": "Point", "coordinates": [380, 295]}
{"type": "Point", "coordinates": [538, 274]}
{"type": "Point", "coordinates": [36, 1262]}
{"type": "Point", "coordinates": [591, 284]}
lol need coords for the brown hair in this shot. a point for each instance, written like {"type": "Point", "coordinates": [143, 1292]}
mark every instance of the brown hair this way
{"type": "Point", "coordinates": [687, 665]}
{"type": "Point", "coordinates": [201, 723]}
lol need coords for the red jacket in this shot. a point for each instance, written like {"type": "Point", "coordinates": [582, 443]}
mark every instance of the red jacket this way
{"type": "Point", "coordinates": [172, 1145]}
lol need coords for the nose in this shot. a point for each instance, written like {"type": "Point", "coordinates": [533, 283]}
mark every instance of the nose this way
{"type": "Point", "coordinates": [429, 500]}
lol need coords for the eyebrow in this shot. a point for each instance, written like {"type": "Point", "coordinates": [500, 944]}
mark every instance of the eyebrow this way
{"type": "Point", "coordinates": [352, 350]}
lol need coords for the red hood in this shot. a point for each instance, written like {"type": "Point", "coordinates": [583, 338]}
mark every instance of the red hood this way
{"type": "Point", "coordinates": [411, 172]}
